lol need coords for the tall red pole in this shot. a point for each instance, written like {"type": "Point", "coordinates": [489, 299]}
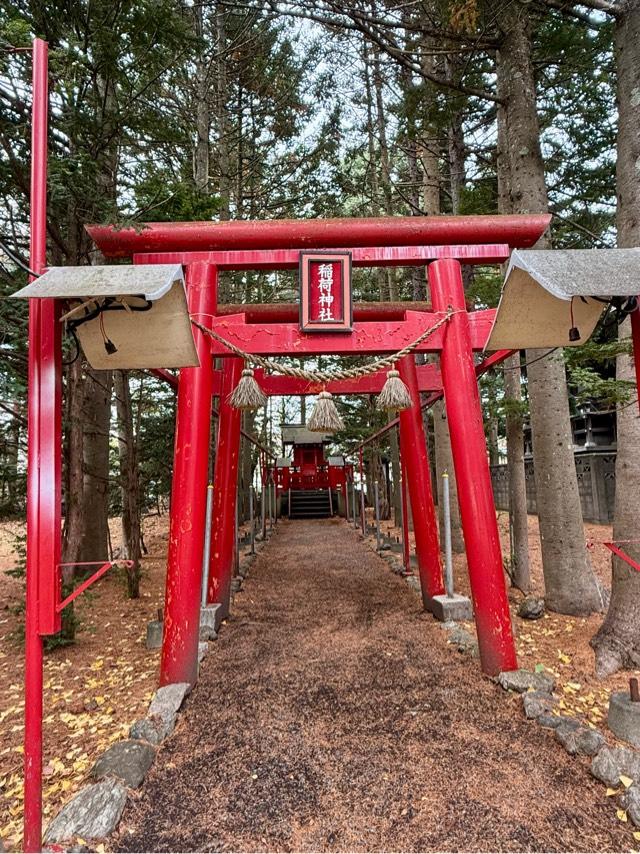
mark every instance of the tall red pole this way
{"type": "Point", "coordinates": [179, 662]}
{"type": "Point", "coordinates": [413, 444]}
{"type": "Point", "coordinates": [225, 490]}
{"type": "Point", "coordinates": [44, 413]}
{"type": "Point", "coordinates": [635, 337]}
{"type": "Point", "coordinates": [468, 445]}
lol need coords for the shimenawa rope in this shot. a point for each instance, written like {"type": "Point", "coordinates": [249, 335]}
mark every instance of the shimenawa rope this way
{"type": "Point", "coordinates": [327, 376]}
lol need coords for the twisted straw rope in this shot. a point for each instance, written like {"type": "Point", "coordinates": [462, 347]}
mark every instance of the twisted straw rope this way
{"type": "Point", "coordinates": [327, 376]}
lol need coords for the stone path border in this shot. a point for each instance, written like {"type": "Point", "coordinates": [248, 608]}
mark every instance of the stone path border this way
{"type": "Point", "coordinates": [95, 811]}
{"type": "Point", "coordinates": [617, 767]}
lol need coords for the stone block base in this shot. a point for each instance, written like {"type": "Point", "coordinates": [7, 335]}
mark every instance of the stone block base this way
{"type": "Point", "coordinates": [451, 608]}
{"type": "Point", "coordinates": [210, 619]}
{"type": "Point", "coordinates": [624, 718]}
{"type": "Point", "coordinates": [154, 634]}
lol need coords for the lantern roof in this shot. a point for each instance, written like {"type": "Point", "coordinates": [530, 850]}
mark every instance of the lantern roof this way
{"type": "Point", "coordinates": [548, 294]}
{"type": "Point", "coordinates": [124, 316]}
{"type": "Point", "coordinates": [298, 434]}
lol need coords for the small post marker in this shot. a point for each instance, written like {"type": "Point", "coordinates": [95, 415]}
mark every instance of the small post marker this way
{"type": "Point", "coordinates": [207, 547]}
{"type": "Point", "coordinates": [154, 632]}
{"type": "Point", "coordinates": [624, 714]}
{"type": "Point", "coordinates": [251, 522]}
{"type": "Point", "coordinates": [448, 557]}
{"type": "Point", "coordinates": [451, 606]}
{"type": "Point", "coordinates": [353, 504]}
{"type": "Point", "coordinates": [376, 495]}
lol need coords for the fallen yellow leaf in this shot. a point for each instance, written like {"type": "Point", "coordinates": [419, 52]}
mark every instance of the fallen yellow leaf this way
{"type": "Point", "coordinates": [626, 781]}
{"type": "Point", "coordinates": [611, 792]}
{"type": "Point", "coordinates": [622, 815]}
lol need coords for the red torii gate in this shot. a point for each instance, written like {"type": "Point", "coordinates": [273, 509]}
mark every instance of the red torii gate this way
{"type": "Point", "coordinates": [204, 249]}
{"type": "Point", "coordinates": [207, 248]}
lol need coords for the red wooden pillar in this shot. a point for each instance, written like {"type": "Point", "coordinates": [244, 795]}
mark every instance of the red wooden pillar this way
{"type": "Point", "coordinates": [225, 490]}
{"type": "Point", "coordinates": [635, 337]}
{"type": "Point", "coordinates": [413, 445]}
{"type": "Point", "coordinates": [179, 661]}
{"type": "Point", "coordinates": [44, 464]}
{"type": "Point", "coordinates": [464, 414]}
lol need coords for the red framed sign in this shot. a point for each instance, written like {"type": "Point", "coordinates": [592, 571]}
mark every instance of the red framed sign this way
{"type": "Point", "coordinates": [325, 292]}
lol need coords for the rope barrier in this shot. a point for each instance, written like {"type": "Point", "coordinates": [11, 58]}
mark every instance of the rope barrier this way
{"type": "Point", "coordinates": [326, 376]}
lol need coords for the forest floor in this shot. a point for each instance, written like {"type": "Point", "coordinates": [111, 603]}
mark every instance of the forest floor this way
{"type": "Point", "coordinates": [96, 688]}
{"type": "Point", "coordinates": [333, 717]}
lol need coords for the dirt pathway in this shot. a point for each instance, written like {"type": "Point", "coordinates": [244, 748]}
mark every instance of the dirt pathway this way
{"type": "Point", "coordinates": [332, 716]}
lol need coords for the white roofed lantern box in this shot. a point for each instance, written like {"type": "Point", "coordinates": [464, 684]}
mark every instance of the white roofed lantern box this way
{"type": "Point", "coordinates": [123, 316]}
{"type": "Point", "coordinates": [555, 297]}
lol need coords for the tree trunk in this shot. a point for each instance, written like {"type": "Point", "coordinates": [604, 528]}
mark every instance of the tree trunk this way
{"type": "Point", "coordinates": [617, 644]}
{"type": "Point", "coordinates": [73, 489]}
{"type": "Point", "coordinates": [396, 492]}
{"type": "Point", "coordinates": [221, 113]}
{"type": "Point", "coordinates": [518, 519]}
{"type": "Point", "coordinates": [444, 463]}
{"type": "Point", "coordinates": [443, 459]}
{"type": "Point", "coordinates": [96, 414]}
{"type": "Point", "coordinates": [520, 572]}
{"type": "Point", "coordinates": [129, 484]}
{"type": "Point", "coordinates": [203, 118]}
{"type": "Point", "coordinates": [571, 586]}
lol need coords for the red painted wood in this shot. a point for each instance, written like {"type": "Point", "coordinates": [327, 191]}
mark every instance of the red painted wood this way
{"type": "Point", "coordinates": [289, 312]}
{"type": "Point", "coordinates": [273, 384]}
{"type": "Point", "coordinates": [225, 491]}
{"type": "Point", "coordinates": [285, 339]}
{"type": "Point", "coordinates": [362, 256]}
{"type": "Point", "coordinates": [475, 495]}
{"type": "Point", "coordinates": [44, 455]}
{"type": "Point", "coordinates": [179, 660]}
{"type": "Point", "coordinates": [518, 231]}
{"type": "Point", "coordinates": [635, 337]}
{"type": "Point", "coordinates": [167, 376]}
{"type": "Point", "coordinates": [481, 368]}
{"type": "Point", "coordinates": [413, 448]}
{"type": "Point", "coordinates": [623, 556]}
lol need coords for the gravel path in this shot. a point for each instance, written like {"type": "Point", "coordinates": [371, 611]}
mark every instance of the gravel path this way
{"type": "Point", "coordinates": [332, 716]}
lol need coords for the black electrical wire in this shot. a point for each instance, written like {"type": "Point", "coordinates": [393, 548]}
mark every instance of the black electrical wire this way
{"type": "Point", "coordinates": [108, 304]}
{"type": "Point", "coordinates": [76, 344]}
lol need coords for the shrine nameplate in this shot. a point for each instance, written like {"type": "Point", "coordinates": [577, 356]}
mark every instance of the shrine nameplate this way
{"type": "Point", "coordinates": [325, 292]}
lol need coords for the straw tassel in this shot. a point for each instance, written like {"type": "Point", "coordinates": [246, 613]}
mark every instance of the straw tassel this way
{"type": "Point", "coordinates": [325, 417]}
{"type": "Point", "coordinates": [247, 394]}
{"type": "Point", "coordinates": [394, 394]}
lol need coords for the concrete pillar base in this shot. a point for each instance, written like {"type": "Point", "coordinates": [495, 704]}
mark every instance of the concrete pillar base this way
{"type": "Point", "coordinates": [451, 608]}
{"type": "Point", "coordinates": [624, 718]}
{"type": "Point", "coordinates": [210, 619]}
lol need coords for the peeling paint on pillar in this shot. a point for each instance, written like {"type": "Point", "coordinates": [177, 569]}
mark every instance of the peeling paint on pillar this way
{"type": "Point", "coordinates": [475, 495]}
{"type": "Point", "coordinates": [179, 662]}
{"type": "Point", "coordinates": [413, 448]}
{"type": "Point", "coordinates": [225, 492]}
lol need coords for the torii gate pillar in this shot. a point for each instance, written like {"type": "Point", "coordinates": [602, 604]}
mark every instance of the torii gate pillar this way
{"type": "Point", "coordinates": [179, 661]}
{"type": "Point", "coordinates": [225, 491]}
{"type": "Point", "coordinates": [468, 445]}
{"type": "Point", "coordinates": [413, 449]}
